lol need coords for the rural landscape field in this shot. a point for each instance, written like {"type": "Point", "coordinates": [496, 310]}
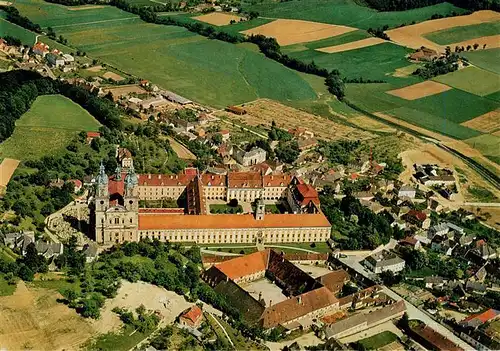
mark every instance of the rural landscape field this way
{"type": "Point", "coordinates": [249, 175]}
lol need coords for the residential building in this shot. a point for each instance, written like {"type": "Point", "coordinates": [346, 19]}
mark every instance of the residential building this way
{"type": "Point", "coordinates": [192, 317]}
{"type": "Point", "coordinates": [384, 261]}
{"type": "Point", "coordinates": [334, 281]}
{"type": "Point", "coordinates": [479, 319]}
{"type": "Point", "coordinates": [40, 49]}
{"type": "Point", "coordinates": [54, 60]}
{"type": "Point", "coordinates": [303, 198]}
{"type": "Point", "coordinates": [417, 218]}
{"type": "Point", "coordinates": [434, 282]}
{"type": "Point", "coordinates": [124, 157]}
{"type": "Point", "coordinates": [248, 158]}
{"type": "Point", "coordinates": [407, 191]}
{"type": "Point", "coordinates": [68, 58]}
{"type": "Point", "coordinates": [431, 339]}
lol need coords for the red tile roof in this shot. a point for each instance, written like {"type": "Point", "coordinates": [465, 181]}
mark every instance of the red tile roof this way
{"type": "Point", "coordinates": [334, 281]}
{"type": "Point", "coordinates": [93, 134]}
{"type": "Point", "coordinates": [297, 306]}
{"type": "Point", "coordinates": [483, 317]}
{"type": "Point", "coordinates": [419, 215]}
{"type": "Point", "coordinates": [437, 340]}
{"type": "Point", "coordinates": [245, 180]}
{"type": "Point", "coordinates": [245, 265]}
{"type": "Point", "coordinates": [307, 193]}
{"type": "Point", "coordinates": [162, 210]}
{"type": "Point", "coordinates": [213, 179]}
{"type": "Point", "coordinates": [231, 221]}
{"type": "Point", "coordinates": [181, 179]}
{"type": "Point", "coordinates": [193, 314]}
{"type": "Point", "coordinates": [277, 180]}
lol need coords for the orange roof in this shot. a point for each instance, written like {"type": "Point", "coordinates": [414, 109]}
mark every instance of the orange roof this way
{"type": "Point", "coordinates": [231, 221]}
{"type": "Point", "coordinates": [483, 317]}
{"type": "Point", "coordinates": [213, 179]}
{"type": "Point", "coordinates": [354, 176]}
{"type": "Point", "coordinates": [181, 179]}
{"type": "Point", "coordinates": [93, 134]}
{"type": "Point", "coordinates": [297, 306]}
{"type": "Point", "coordinates": [277, 180]}
{"type": "Point", "coordinates": [335, 280]}
{"type": "Point", "coordinates": [193, 314]}
{"type": "Point", "coordinates": [245, 180]}
{"type": "Point", "coordinates": [244, 265]}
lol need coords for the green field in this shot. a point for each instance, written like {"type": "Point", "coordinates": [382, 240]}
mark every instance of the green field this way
{"type": "Point", "coordinates": [488, 145]}
{"type": "Point", "coordinates": [473, 80]}
{"type": "Point", "coordinates": [486, 59]}
{"type": "Point", "coordinates": [6, 289]}
{"type": "Point", "coordinates": [47, 127]}
{"type": "Point", "coordinates": [458, 34]}
{"type": "Point", "coordinates": [345, 12]}
{"type": "Point", "coordinates": [7, 28]}
{"type": "Point", "coordinates": [378, 341]}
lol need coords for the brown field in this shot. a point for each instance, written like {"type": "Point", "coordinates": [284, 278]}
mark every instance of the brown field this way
{"type": "Point", "coordinates": [405, 71]}
{"type": "Point", "coordinates": [411, 36]}
{"type": "Point", "coordinates": [218, 18]}
{"type": "Point", "coordinates": [419, 90]}
{"type": "Point", "coordinates": [81, 8]}
{"type": "Point", "coordinates": [7, 168]}
{"type": "Point", "coordinates": [264, 112]}
{"type": "Point", "coordinates": [487, 123]}
{"type": "Point", "coordinates": [352, 45]}
{"type": "Point", "coordinates": [181, 150]}
{"type": "Point", "coordinates": [371, 124]}
{"type": "Point", "coordinates": [491, 42]}
{"type": "Point", "coordinates": [125, 90]}
{"type": "Point", "coordinates": [288, 32]}
{"type": "Point", "coordinates": [94, 69]}
{"type": "Point", "coordinates": [114, 76]}
{"type": "Point", "coordinates": [32, 319]}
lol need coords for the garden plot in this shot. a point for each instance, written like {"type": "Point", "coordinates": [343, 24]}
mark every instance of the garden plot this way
{"type": "Point", "coordinates": [288, 32]}
{"type": "Point", "coordinates": [413, 36]}
{"type": "Point", "coordinates": [218, 18]}
{"type": "Point", "coordinates": [352, 45]}
{"type": "Point", "coordinates": [419, 90]}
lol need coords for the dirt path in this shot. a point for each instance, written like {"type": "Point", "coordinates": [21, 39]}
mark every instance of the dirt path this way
{"type": "Point", "coordinates": [181, 151]}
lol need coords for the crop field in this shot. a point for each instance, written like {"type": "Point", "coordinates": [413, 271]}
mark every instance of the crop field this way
{"type": "Point", "coordinates": [7, 169]}
{"type": "Point", "coordinates": [47, 128]}
{"type": "Point", "coordinates": [487, 123]}
{"type": "Point", "coordinates": [488, 145]}
{"type": "Point", "coordinates": [473, 80]}
{"type": "Point", "coordinates": [52, 15]}
{"type": "Point", "coordinates": [218, 18]}
{"type": "Point", "coordinates": [346, 12]}
{"type": "Point", "coordinates": [288, 32]}
{"type": "Point", "coordinates": [352, 45]}
{"type": "Point", "coordinates": [419, 90]}
{"type": "Point", "coordinates": [7, 28]}
{"type": "Point", "coordinates": [485, 59]}
{"type": "Point", "coordinates": [458, 34]}
{"type": "Point", "coordinates": [209, 71]}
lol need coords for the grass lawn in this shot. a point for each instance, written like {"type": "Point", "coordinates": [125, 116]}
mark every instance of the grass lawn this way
{"type": "Point", "coordinates": [7, 254]}
{"type": "Point", "coordinates": [7, 28]}
{"type": "Point", "coordinates": [486, 59]}
{"type": "Point", "coordinates": [424, 272]}
{"type": "Point", "coordinates": [482, 194]}
{"type": "Point", "coordinates": [345, 12]}
{"type": "Point", "coordinates": [5, 288]}
{"type": "Point", "coordinates": [239, 341]}
{"type": "Point", "coordinates": [318, 246]}
{"type": "Point", "coordinates": [48, 126]}
{"type": "Point", "coordinates": [126, 339]}
{"type": "Point", "coordinates": [217, 329]}
{"type": "Point", "coordinates": [225, 208]}
{"type": "Point", "coordinates": [377, 341]}
{"type": "Point", "coordinates": [463, 33]}
{"type": "Point", "coordinates": [57, 284]}
{"type": "Point", "coordinates": [489, 145]}
{"type": "Point", "coordinates": [473, 80]}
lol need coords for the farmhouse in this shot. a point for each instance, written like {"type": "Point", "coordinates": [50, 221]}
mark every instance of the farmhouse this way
{"type": "Point", "coordinates": [116, 217]}
{"type": "Point", "coordinates": [424, 54]}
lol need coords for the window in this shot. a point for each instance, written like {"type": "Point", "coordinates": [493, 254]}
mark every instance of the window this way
{"type": "Point", "coordinates": [117, 220]}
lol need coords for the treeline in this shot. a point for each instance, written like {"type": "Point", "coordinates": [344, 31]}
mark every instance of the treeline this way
{"type": "Point", "coordinates": [20, 88]}
{"type": "Point", "coordinates": [438, 66]}
{"type": "Point", "coordinates": [14, 16]}
{"type": "Point", "coordinates": [402, 5]}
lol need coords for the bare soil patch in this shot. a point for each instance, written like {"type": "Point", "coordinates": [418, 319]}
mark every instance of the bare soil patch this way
{"type": "Point", "coordinates": [411, 36]}
{"type": "Point", "coordinates": [132, 295]}
{"type": "Point", "coordinates": [487, 123]}
{"type": "Point", "coordinates": [5, 3]}
{"type": "Point", "coordinates": [7, 169]}
{"type": "Point", "coordinates": [125, 90]}
{"type": "Point", "coordinates": [492, 41]}
{"type": "Point", "coordinates": [181, 150]}
{"type": "Point", "coordinates": [419, 90]}
{"type": "Point", "coordinates": [113, 76]}
{"type": "Point", "coordinates": [94, 68]}
{"type": "Point", "coordinates": [405, 71]}
{"type": "Point", "coordinates": [288, 32]}
{"type": "Point", "coordinates": [352, 45]}
{"type": "Point", "coordinates": [263, 112]}
{"type": "Point", "coordinates": [218, 18]}
{"type": "Point", "coordinates": [33, 319]}
{"type": "Point", "coordinates": [82, 8]}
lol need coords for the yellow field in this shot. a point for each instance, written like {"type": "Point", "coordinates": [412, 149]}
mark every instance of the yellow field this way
{"type": "Point", "coordinates": [487, 123]}
{"type": "Point", "coordinates": [218, 18]}
{"type": "Point", "coordinates": [352, 45]}
{"type": "Point", "coordinates": [419, 90]}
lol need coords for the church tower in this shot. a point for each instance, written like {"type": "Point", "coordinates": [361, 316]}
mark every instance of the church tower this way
{"type": "Point", "coordinates": [260, 209]}
{"type": "Point", "coordinates": [131, 191]}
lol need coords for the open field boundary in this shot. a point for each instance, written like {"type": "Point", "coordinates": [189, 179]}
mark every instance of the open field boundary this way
{"type": "Point", "coordinates": [352, 45]}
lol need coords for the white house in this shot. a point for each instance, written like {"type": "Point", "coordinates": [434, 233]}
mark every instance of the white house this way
{"type": "Point", "coordinates": [385, 261]}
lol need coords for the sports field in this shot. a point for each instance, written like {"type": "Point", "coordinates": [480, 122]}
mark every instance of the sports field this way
{"type": "Point", "coordinates": [7, 28]}
{"type": "Point", "coordinates": [458, 34]}
{"type": "Point", "coordinates": [473, 80]}
{"type": "Point", "coordinates": [345, 12]}
{"type": "Point", "coordinates": [46, 128]}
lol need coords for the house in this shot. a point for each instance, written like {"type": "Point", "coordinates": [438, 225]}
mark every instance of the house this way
{"type": "Point", "coordinates": [477, 320]}
{"type": "Point", "coordinates": [78, 184]}
{"type": "Point", "coordinates": [407, 191]}
{"type": "Point", "coordinates": [92, 135]}
{"type": "Point", "coordinates": [417, 218]}
{"type": "Point", "coordinates": [384, 261]}
{"type": "Point", "coordinates": [411, 241]}
{"type": "Point", "coordinates": [434, 282]}
{"type": "Point", "coordinates": [48, 250]}
{"type": "Point", "coordinates": [443, 245]}
{"type": "Point", "coordinates": [475, 287]}
{"type": "Point", "coordinates": [480, 274]}
{"type": "Point", "coordinates": [14, 240]}
{"type": "Point", "coordinates": [54, 60]}
{"type": "Point", "coordinates": [68, 58]}
{"type": "Point", "coordinates": [483, 251]}
{"type": "Point", "coordinates": [248, 158]}
{"type": "Point", "coordinates": [124, 157]}
{"type": "Point", "coordinates": [307, 144]}
{"type": "Point", "coordinates": [236, 110]}
{"type": "Point", "coordinates": [40, 49]}
{"type": "Point", "coordinates": [225, 135]}
{"type": "Point", "coordinates": [423, 54]}
{"type": "Point", "coordinates": [192, 317]}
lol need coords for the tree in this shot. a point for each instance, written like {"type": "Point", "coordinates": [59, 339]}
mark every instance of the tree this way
{"type": "Point", "coordinates": [484, 46]}
{"type": "Point", "coordinates": [25, 273]}
{"type": "Point", "coordinates": [476, 45]}
{"type": "Point", "coordinates": [233, 202]}
{"type": "Point", "coordinates": [447, 51]}
{"type": "Point", "coordinates": [90, 309]}
{"type": "Point", "coordinates": [469, 47]}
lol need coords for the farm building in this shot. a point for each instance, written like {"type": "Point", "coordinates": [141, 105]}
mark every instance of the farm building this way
{"type": "Point", "coordinates": [236, 110]}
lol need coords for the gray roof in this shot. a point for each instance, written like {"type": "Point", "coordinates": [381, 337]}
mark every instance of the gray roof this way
{"type": "Point", "coordinates": [434, 280]}
{"type": "Point", "coordinates": [384, 259]}
{"type": "Point", "coordinates": [49, 249]}
{"type": "Point", "coordinates": [175, 98]}
{"type": "Point", "coordinates": [476, 286]}
{"type": "Point", "coordinates": [407, 188]}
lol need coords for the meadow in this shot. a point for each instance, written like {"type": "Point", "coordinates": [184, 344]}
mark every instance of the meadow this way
{"type": "Point", "coordinates": [346, 12]}
{"type": "Point", "coordinates": [473, 80]}
{"type": "Point", "coordinates": [7, 28]}
{"type": "Point", "coordinates": [458, 34]}
{"type": "Point", "coordinates": [47, 128]}
{"type": "Point", "coordinates": [486, 59]}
